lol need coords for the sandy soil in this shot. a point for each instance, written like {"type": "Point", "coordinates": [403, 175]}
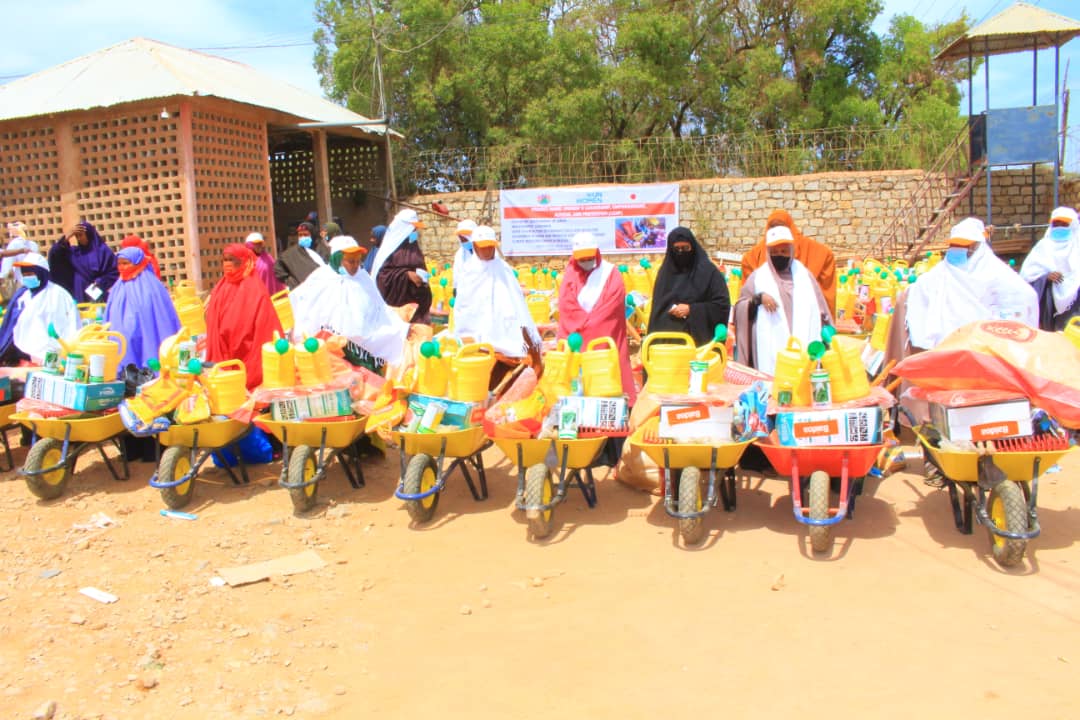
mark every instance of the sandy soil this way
{"type": "Point", "coordinates": [466, 617]}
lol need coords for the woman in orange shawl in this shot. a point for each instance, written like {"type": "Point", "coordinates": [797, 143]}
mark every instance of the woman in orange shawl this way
{"type": "Point", "coordinates": [815, 256]}
{"type": "Point", "coordinates": [239, 315]}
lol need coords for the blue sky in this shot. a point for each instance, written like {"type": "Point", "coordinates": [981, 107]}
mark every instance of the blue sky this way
{"type": "Point", "coordinates": [275, 37]}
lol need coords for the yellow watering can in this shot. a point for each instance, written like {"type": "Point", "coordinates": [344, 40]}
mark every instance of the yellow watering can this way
{"type": "Point", "coordinates": [880, 335]}
{"type": "Point", "coordinates": [793, 368]}
{"type": "Point", "coordinates": [470, 372]}
{"type": "Point", "coordinates": [433, 371]}
{"type": "Point", "coordinates": [283, 308]}
{"type": "Point", "coordinates": [89, 311]}
{"type": "Point", "coordinates": [560, 365]}
{"type": "Point", "coordinates": [847, 375]}
{"type": "Point", "coordinates": [278, 363]}
{"type": "Point", "coordinates": [313, 362]}
{"type": "Point", "coordinates": [184, 289]}
{"type": "Point", "coordinates": [715, 353]}
{"type": "Point", "coordinates": [668, 362]}
{"type": "Point", "coordinates": [111, 345]}
{"type": "Point", "coordinates": [226, 385]}
{"type": "Point", "coordinates": [600, 371]}
{"type": "Point", "coordinates": [1072, 331]}
{"type": "Point", "coordinates": [539, 308]}
{"type": "Point", "coordinates": [192, 314]}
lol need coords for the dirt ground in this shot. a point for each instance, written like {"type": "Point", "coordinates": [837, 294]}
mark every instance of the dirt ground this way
{"type": "Point", "coordinates": [468, 618]}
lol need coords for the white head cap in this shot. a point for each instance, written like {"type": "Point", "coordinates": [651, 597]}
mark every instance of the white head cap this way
{"type": "Point", "coordinates": [1062, 213]}
{"type": "Point", "coordinates": [584, 241]}
{"type": "Point", "coordinates": [254, 238]}
{"type": "Point", "coordinates": [779, 235]}
{"type": "Point", "coordinates": [967, 232]}
{"type": "Point", "coordinates": [33, 260]}
{"type": "Point", "coordinates": [466, 227]}
{"type": "Point", "coordinates": [484, 236]}
{"type": "Point", "coordinates": [344, 243]}
{"type": "Point", "coordinates": [409, 215]}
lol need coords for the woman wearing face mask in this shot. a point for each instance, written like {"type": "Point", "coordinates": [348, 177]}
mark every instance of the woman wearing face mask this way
{"type": "Point", "coordinates": [779, 300]}
{"type": "Point", "coordinates": [592, 302]}
{"type": "Point", "coordinates": [463, 254]}
{"type": "Point", "coordinates": [690, 294]}
{"type": "Point", "coordinates": [399, 268]}
{"type": "Point", "coordinates": [300, 260]}
{"type": "Point", "coordinates": [1053, 270]}
{"type": "Point", "coordinates": [342, 299]}
{"type": "Point", "coordinates": [37, 304]}
{"type": "Point", "coordinates": [377, 234]}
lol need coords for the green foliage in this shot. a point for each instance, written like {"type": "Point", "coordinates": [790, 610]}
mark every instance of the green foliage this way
{"type": "Point", "coordinates": [524, 74]}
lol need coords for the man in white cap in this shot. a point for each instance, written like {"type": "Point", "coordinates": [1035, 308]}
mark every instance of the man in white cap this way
{"type": "Point", "coordinates": [492, 309]}
{"type": "Point", "coordinates": [464, 232]}
{"type": "Point", "coordinates": [592, 302]}
{"type": "Point", "coordinates": [37, 304]}
{"type": "Point", "coordinates": [399, 268]}
{"type": "Point", "coordinates": [779, 300]}
{"type": "Point", "coordinates": [264, 262]}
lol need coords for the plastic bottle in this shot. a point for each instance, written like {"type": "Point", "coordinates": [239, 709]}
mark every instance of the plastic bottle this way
{"type": "Point", "coordinates": [51, 361]}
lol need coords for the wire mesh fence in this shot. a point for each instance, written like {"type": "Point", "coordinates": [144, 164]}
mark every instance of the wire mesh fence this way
{"type": "Point", "coordinates": [657, 159]}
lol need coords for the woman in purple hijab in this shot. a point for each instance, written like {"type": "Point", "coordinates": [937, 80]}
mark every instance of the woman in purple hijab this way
{"type": "Point", "coordinates": [264, 263]}
{"type": "Point", "coordinates": [139, 308]}
{"type": "Point", "coordinates": [82, 264]}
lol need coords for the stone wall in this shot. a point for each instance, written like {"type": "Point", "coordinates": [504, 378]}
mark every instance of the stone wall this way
{"type": "Point", "coordinates": [847, 211]}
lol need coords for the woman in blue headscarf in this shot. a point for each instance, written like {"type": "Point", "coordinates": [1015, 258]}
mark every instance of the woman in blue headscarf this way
{"type": "Point", "coordinates": [377, 233]}
{"type": "Point", "coordinates": [139, 308]}
{"type": "Point", "coordinates": [82, 264]}
{"type": "Point", "coordinates": [37, 304]}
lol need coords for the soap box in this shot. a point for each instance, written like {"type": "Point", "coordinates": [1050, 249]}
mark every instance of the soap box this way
{"type": "Point", "coordinates": [856, 426]}
{"type": "Point", "coordinates": [84, 397]}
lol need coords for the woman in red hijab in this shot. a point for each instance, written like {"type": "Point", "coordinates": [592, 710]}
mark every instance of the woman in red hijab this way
{"type": "Point", "coordinates": [239, 315]}
{"type": "Point", "coordinates": [138, 242]}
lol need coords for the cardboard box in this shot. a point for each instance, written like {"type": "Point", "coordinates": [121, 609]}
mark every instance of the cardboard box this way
{"type": "Point", "coordinates": [458, 414]}
{"type": "Point", "coordinates": [700, 423]}
{"type": "Point", "coordinates": [334, 403]}
{"type": "Point", "coordinates": [601, 413]}
{"type": "Point", "coordinates": [991, 421]}
{"type": "Point", "coordinates": [84, 397]}
{"type": "Point", "coordinates": [856, 426]}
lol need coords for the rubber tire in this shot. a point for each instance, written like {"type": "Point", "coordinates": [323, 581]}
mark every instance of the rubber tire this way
{"type": "Point", "coordinates": [302, 466]}
{"type": "Point", "coordinates": [175, 463]}
{"type": "Point", "coordinates": [818, 503]}
{"type": "Point", "coordinates": [692, 530]}
{"type": "Point", "coordinates": [420, 475]}
{"type": "Point", "coordinates": [539, 490]}
{"type": "Point", "coordinates": [45, 453]}
{"type": "Point", "coordinates": [1008, 510]}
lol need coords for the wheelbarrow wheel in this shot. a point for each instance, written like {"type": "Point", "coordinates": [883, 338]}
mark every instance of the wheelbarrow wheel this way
{"type": "Point", "coordinates": [303, 467]}
{"type": "Point", "coordinates": [1008, 511]}
{"type": "Point", "coordinates": [46, 453]}
{"type": "Point", "coordinates": [692, 530]}
{"type": "Point", "coordinates": [420, 476]}
{"type": "Point", "coordinates": [175, 464]}
{"type": "Point", "coordinates": [539, 489]}
{"type": "Point", "coordinates": [818, 500]}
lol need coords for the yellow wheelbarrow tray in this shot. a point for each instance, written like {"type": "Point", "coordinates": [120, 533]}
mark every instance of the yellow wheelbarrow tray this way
{"type": "Point", "coordinates": [1006, 507]}
{"type": "Point", "coordinates": [540, 462]}
{"type": "Point", "coordinates": [308, 448]}
{"type": "Point", "coordinates": [423, 475]}
{"type": "Point", "coordinates": [59, 442]}
{"type": "Point", "coordinates": [688, 506]}
{"type": "Point", "coordinates": [187, 448]}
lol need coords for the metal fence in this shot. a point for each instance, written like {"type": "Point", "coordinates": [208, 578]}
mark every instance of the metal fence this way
{"type": "Point", "coordinates": [658, 159]}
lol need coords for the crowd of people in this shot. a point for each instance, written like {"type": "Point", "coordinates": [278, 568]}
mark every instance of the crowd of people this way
{"type": "Point", "coordinates": [374, 298]}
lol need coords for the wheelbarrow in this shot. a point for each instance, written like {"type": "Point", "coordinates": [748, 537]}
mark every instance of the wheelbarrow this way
{"type": "Point", "coordinates": [423, 475]}
{"type": "Point", "coordinates": [308, 448]}
{"type": "Point", "coordinates": [539, 463]}
{"type": "Point", "coordinates": [849, 463]}
{"type": "Point", "coordinates": [995, 489]}
{"type": "Point", "coordinates": [187, 447]}
{"type": "Point", "coordinates": [685, 500]}
{"type": "Point", "coordinates": [59, 442]}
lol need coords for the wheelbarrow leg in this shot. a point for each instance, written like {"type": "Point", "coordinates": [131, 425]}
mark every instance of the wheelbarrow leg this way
{"type": "Point", "coordinates": [587, 485]}
{"type": "Point", "coordinates": [727, 489]}
{"type": "Point", "coordinates": [101, 451]}
{"type": "Point", "coordinates": [962, 507]}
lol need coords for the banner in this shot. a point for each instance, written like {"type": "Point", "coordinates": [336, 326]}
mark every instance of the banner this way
{"type": "Point", "coordinates": [624, 218]}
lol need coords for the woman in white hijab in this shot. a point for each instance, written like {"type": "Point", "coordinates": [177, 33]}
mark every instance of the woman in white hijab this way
{"type": "Point", "coordinates": [36, 305]}
{"type": "Point", "coordinates": [342, 299]}
{"type": "Point", "coordinates": [1053, 270]}
{"type": "Point", "coordinates": [491, 308]}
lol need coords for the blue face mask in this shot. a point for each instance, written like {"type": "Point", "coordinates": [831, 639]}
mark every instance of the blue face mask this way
{"type": "Point", "coordinates": [31, 281]}
{"type": "Point", "coordinates": [1060, 234]}
{"type": "Point", "coordinates": [342, 271]}
{"type": "Point", "coordinates": [414, 236]}
{"type": "Point", "coordinates": [467, 245]}
{"type": "Point", "coordinates": [305, 241]}
{"type": "Point", "coordinates": [956, 256]}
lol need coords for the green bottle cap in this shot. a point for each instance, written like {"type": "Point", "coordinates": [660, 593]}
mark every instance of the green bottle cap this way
{"type": "Point", "coordinates": [429, 349]}
{"type": "Point", "coordinates": [153, 364]}
{"type": "Point", "coordinates": [281, 345]}
{"type": "Point", "coordinates": [194, 366]}
{"type": "Point", "coordinates": [720, 333]}
{"type": "Point", "coordinates": [311, 344]}
{"type": "Point", "coordinates": [443, 282]}
{"type": "Point", "coordinates": [574, 341]}
{"type": "Point", "coordinates": [828, 333]}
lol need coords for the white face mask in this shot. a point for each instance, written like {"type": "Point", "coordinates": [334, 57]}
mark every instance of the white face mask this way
{"type": "Point", "coordinates": [587, 265]}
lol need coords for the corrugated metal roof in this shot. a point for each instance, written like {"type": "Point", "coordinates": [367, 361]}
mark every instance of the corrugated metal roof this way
{"type": "Point", "coordinates": [1015, 29]}
{"type": "Point", "coordinates": [142, 69]}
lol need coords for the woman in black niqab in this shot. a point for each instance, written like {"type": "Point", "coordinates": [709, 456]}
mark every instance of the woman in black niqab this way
{"type": "Point", "coordinates": [690, 294]}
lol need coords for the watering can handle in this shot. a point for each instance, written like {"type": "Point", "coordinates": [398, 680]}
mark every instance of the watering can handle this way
{"type": "Point", "coordinates": [280, 294]}
{"type": "Point", "coordinates": [476, 349]}
{"type": "Point", "coordinates": [600, 341]}
{"type": "Point", "coordinates": [229, 363]}
{"type": "Point", "coordinates": [792, 340]}
{"type": "Point", "coordinates": [1075, 320]}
